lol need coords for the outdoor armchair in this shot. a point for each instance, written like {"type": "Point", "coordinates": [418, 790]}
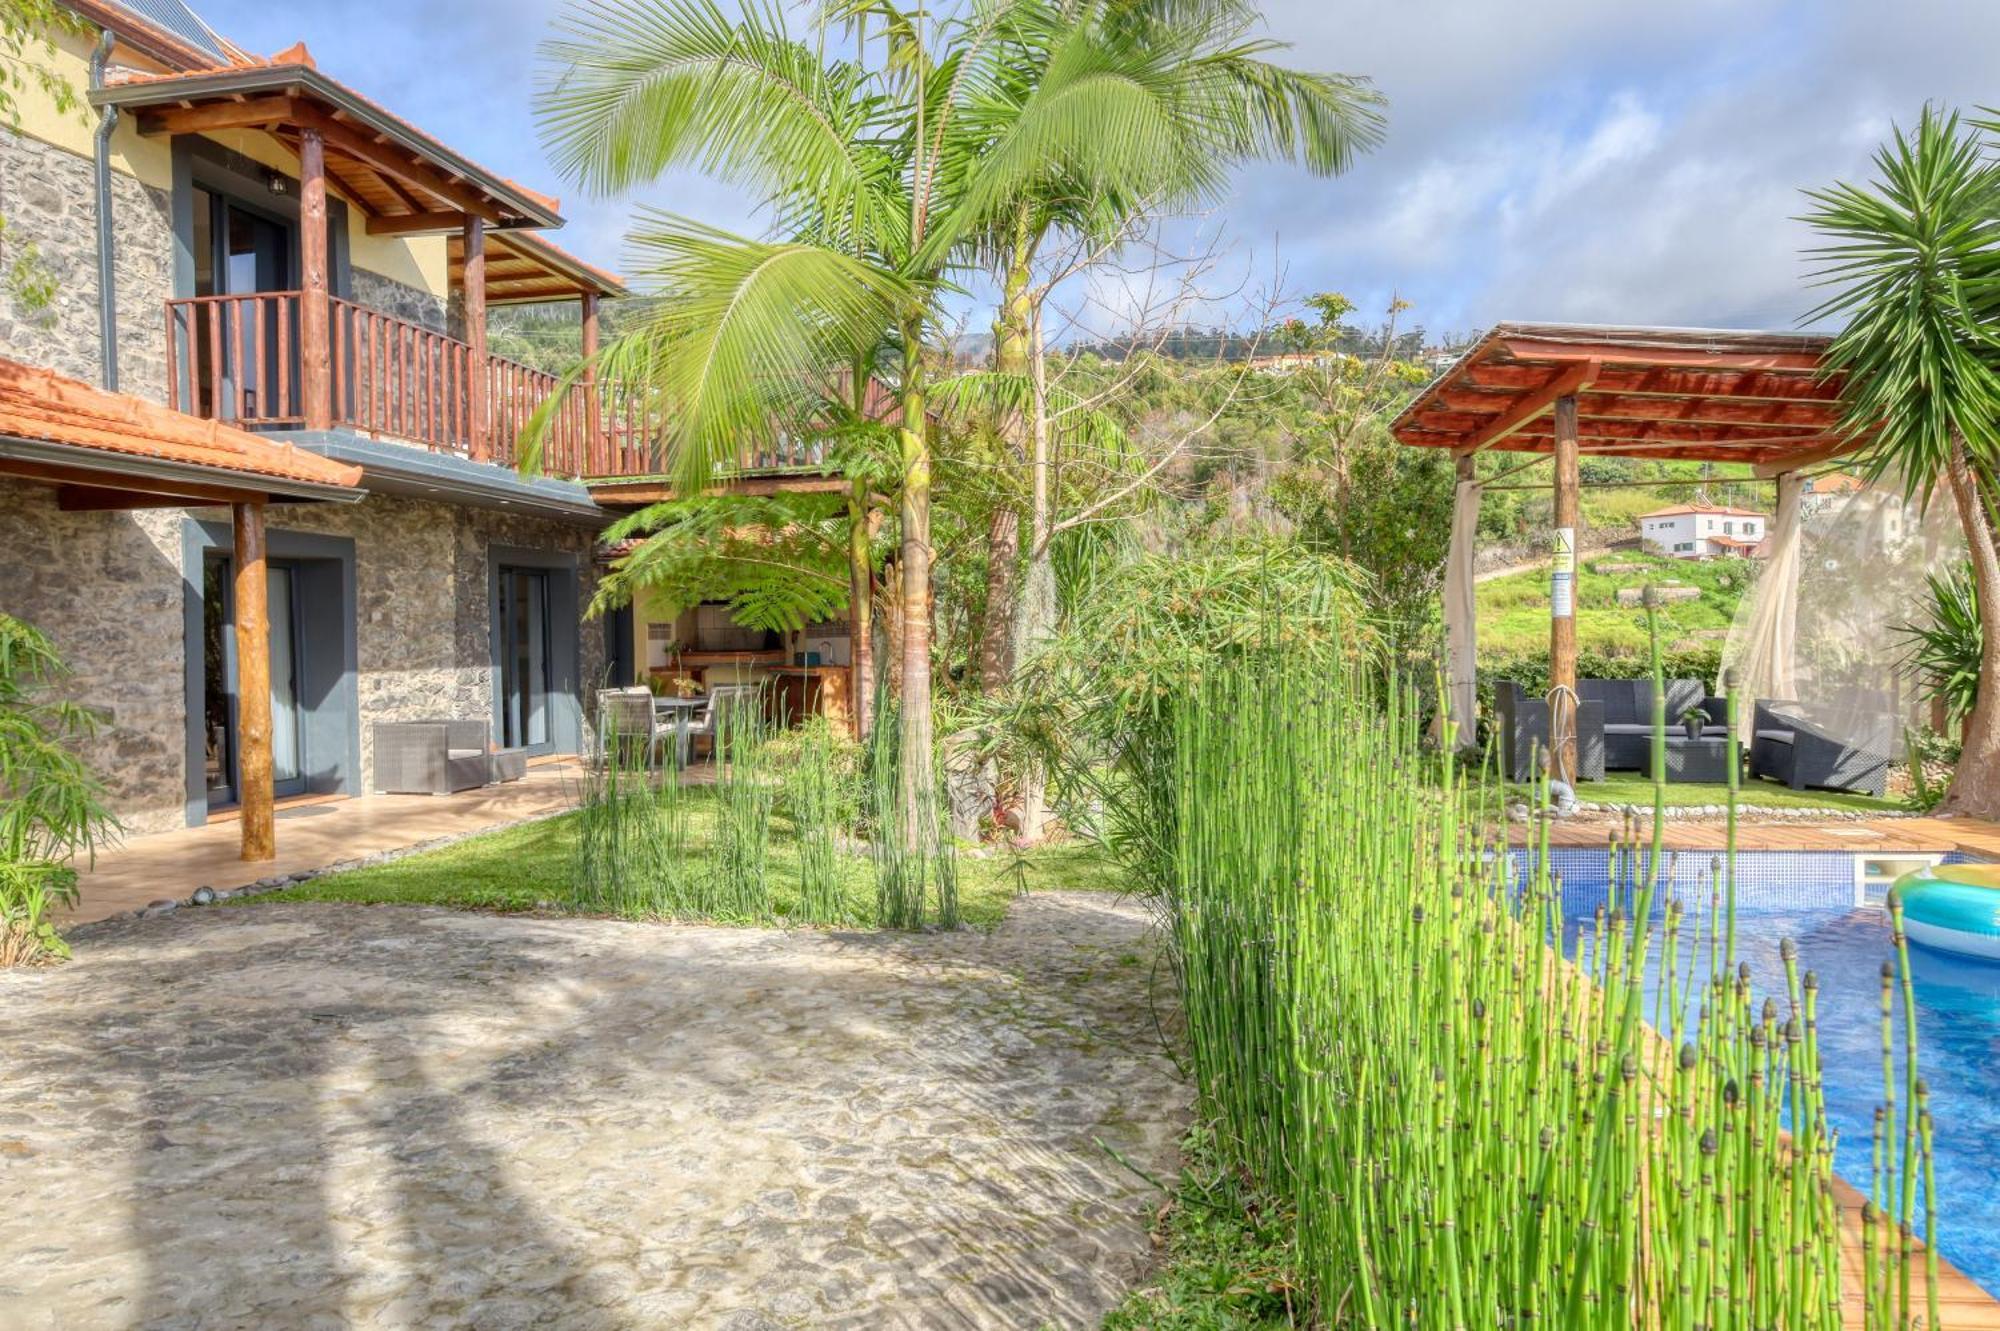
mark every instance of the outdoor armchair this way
{"type": "Point", "coordinates": [1523, 722]}
{"type": "Point", "coordinates": [430, 757]}
{"type": "Point", "coordinates": [1790, 745]}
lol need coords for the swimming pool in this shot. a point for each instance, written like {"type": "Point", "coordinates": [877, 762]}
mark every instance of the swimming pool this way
{"type": "Point", "coordinates": [1811, 898]}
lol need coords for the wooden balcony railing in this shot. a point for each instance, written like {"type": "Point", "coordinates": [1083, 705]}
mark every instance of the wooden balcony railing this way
{"type": "Point", "coordinates": [236, 359]}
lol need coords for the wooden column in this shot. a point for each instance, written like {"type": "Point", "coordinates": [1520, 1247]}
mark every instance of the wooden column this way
{"type": "Point", "coordinates": [253, 685]}
{"type": "Point", "coordinates": [479, 373]}
{"type": "Point", "coordinates": [1562, 597]}
{"type": "Point", "coordinates": [592, 417]}
{"type": "Point", "coordinates": [315, 304]}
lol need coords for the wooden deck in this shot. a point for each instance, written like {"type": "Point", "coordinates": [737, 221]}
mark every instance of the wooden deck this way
{"type": "Point", "coordinates": [1871, 836]}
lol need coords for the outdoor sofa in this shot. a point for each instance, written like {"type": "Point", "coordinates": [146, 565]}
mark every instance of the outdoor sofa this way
{"type": "Point", "coordinates": [1628, 716]}
{"type": "Point", "coordinates": [1792, 746]}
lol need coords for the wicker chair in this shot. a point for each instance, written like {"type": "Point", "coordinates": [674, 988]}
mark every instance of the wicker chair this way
{"type": "Point", "coordinates": [430, 757]}
{"type": "Point", "coordinates": [1788, 745]}
{"type": "Point", "coordinates": [625, 717]}
{"type": "Point", "coordinates": [1524, 733]}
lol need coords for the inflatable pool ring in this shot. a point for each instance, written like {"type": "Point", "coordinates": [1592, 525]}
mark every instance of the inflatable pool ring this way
{"type": "Point", "coordinates": [1954, 908]}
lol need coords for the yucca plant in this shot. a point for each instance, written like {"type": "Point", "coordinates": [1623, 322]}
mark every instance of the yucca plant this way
{"type": "Point", "coordinates": [1946, 647]}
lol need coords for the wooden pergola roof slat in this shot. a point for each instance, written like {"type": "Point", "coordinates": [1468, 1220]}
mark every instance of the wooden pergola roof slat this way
{"type": "Point", "coordinates": [1698, 394]}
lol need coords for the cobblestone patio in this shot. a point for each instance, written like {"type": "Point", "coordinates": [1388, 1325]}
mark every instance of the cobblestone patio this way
{"type": "Point", "coordinates": [323, 1115]}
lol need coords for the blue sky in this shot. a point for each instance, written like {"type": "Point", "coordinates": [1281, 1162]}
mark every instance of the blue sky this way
{"type": "Point", "coordinates": [1596, 160]}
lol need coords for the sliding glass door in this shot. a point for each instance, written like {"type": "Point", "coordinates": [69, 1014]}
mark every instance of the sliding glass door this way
{"type": "Point", "coordinates": [219, 693]}
{"type": "Point", "coordinates": [521, 620]}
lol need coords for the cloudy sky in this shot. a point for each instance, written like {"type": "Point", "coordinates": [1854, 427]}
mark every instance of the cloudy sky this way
{"type": "Point", "coordinates": [1597, 160]}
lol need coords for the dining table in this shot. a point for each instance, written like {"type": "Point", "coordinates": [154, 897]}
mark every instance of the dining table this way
{"type": "Point", "coordinates": [678, 712]}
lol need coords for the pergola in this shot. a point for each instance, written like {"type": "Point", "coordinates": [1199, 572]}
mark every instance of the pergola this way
{"type": "Point", "coordinates": [1570, 391]}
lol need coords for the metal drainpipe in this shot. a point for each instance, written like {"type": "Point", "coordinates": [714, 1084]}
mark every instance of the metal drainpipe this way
{"type": "Point", "coordinates": [107, 248]}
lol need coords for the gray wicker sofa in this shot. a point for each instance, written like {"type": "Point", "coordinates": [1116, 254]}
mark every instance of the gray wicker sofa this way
{"type": "Point", "coordinates": [1628, 716]}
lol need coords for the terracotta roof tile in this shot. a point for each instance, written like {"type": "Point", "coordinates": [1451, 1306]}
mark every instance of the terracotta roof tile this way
{"type": "Point", "coordinates": [41, 405]}
{"type": "Point", "coordinates": [1678, 510]}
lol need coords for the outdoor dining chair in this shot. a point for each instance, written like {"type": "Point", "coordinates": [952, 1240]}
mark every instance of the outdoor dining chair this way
{"type": "Point", "coordinates": [625, 723]}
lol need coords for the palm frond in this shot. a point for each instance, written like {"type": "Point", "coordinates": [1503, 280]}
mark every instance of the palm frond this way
{"type": "Point", "coordinates": [1914, 263]}
{"type": "Point", "coordinates": [744, 331]}
{"type": "Point", "coordinates": [629, 88]}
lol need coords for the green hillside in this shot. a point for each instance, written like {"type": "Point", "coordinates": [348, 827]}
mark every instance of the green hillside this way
{"type": "Point", "coordinates": [1514, 610]}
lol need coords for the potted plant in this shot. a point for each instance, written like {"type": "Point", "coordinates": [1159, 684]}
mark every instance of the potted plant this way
{"type": "Point", "coordinates": [1693, 720]}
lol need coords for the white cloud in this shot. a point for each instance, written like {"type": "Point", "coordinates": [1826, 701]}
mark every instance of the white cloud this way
{"type": "Point", "coordinates": [1601, 159]}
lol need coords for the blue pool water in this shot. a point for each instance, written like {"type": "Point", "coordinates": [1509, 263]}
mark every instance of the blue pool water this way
{"type": "Point", "coordinates": [1809, 897]}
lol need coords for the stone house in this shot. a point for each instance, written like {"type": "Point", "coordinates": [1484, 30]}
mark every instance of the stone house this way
{"type": "Point", "coordinates": [248, 242]}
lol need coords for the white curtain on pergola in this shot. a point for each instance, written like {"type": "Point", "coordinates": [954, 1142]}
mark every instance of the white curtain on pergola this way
{"type": "Point", "coordinates": [1461, 616]}
{"type": "Point", "coordinates": [1762, 650]}
{"type": "Point", "coordinates": [1848, 569]}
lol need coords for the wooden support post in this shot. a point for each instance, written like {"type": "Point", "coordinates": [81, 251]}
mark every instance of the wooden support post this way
{"type": "Point", "coordinates": [253, 684]}
{"type": "Point", "coordinates": [593, 425]}
{"type": "Point", "coordinates": [1562, 597]}
{"type": "Point", "coordinates": [479, 373]}
{"type": "Point", "coordinates": [315, 304]}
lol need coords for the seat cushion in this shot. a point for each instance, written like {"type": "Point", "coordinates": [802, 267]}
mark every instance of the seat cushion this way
{"type": "Point", "coordinates": [1780, 736]}
{"type": "Point", "coordinates": [1627, 728]}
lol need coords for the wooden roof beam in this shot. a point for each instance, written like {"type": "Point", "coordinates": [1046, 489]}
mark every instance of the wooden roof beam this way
{"type": "Point", "coordinates": [257, 113]}
{"type": "Point", "coordinates": [1616, 353]}
{"type": "Point", "coordinates": [1565, 383]}
{"type": "Point", "coordinates": [1751, 385]}
{"type": "Point", "coordinates": [542, 291]}
{"type": "Point", "coordinates": [343, 138]}
{"type": "Point", "coordinates": [416, 223]}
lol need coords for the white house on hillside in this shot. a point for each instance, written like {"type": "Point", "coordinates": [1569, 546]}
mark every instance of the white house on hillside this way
{"type": "Point", "coordinates": [1700, 531]}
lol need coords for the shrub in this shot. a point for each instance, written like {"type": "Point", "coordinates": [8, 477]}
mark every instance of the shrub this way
{"type": "Point", "coordinates": [1945, 649]}
{"type": "Point", "coordinates": [1093, 704]}
{"type": "Point", "coordinates": [1471, 1130]}
{"type": "Point", "coordinates": [51, 806]}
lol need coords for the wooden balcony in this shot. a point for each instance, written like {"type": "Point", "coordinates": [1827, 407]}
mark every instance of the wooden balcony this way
{"type": "Point", "coordinates": [239, 359]}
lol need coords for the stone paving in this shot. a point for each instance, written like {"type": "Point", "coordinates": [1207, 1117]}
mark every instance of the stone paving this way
{"type": "Point", "coordinates": [324, 1115]}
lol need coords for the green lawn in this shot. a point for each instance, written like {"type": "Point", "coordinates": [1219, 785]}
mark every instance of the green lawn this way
{"type": "Point", "coordinates": [530, 867]}
{"type": "Point", "coordinates": [1514, 610]}
{"type": "Point", "coordinates": [1631, 788]}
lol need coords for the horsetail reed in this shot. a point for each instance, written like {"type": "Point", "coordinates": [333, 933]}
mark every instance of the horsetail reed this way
{"type": "Point", "coordinates": [634, 836]}
{"type": "Point", "coordinates": [744, 791]}
{"type": "Point", "coordinates": [814, 796]}
{"type": "Point", "coordinates": [909, 860]}
{"type": "Point", "coordinates": [1472, 1129]}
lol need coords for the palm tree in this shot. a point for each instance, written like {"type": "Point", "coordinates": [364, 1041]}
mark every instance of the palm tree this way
{"type": "Point", "coordinates": [1208, 82]}
{"type": "Point", "coordinates": [877, 175]}
{"type": "Point", "coordinates": [1915, 260]}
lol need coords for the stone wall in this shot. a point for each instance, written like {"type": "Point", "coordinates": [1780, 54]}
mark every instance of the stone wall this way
{"type": "Point", "coordinates": [400, 299]}
{"type": "Point", "coordinates": [48, 199]}
{"type": "Point", "coordinates": [422, 602]}
{"type": "Point", "coordinates": [106, 587]}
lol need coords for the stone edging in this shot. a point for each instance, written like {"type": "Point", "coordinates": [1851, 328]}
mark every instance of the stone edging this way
{"type": "Point", "coordinates": [1701, 812]}
{"type": "Point", "coordinates": [206, 895]}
